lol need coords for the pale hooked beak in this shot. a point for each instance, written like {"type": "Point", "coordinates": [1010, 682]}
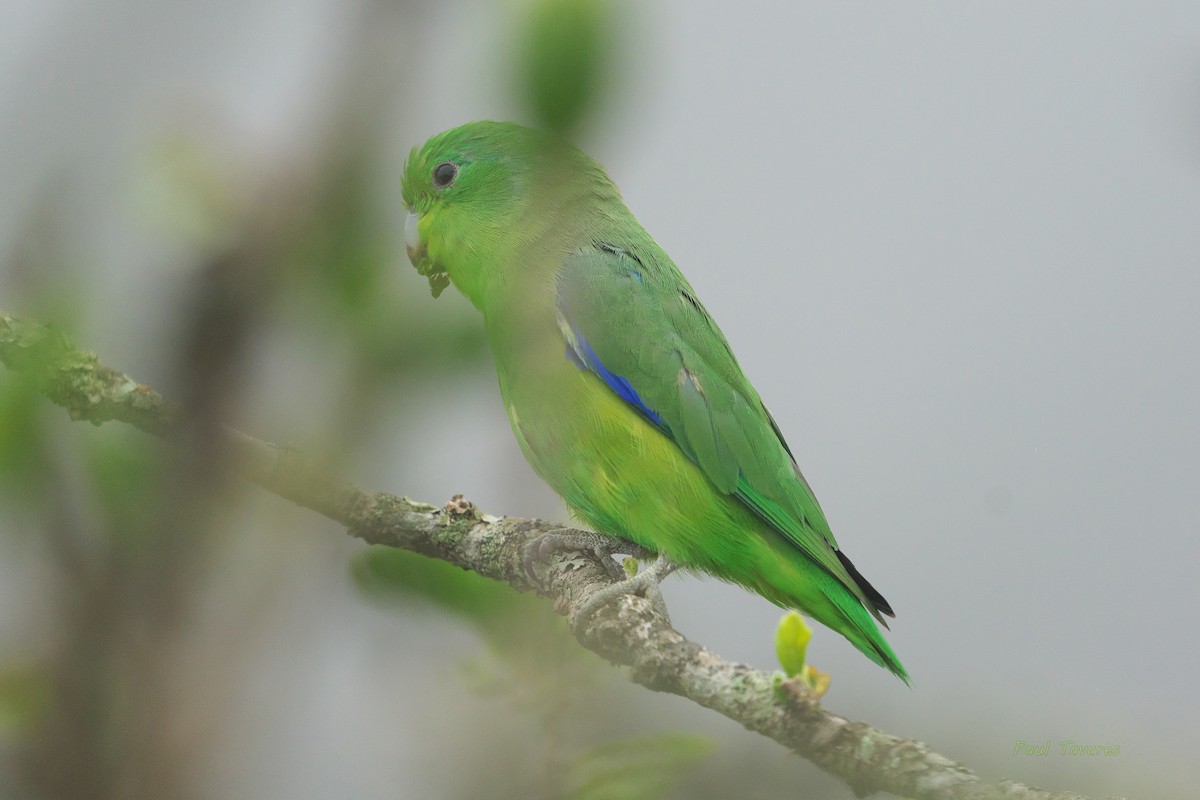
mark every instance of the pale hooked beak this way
{"type": "Point", "coordinates": [418, 255]}
{"type": "Point", "coordinates": [412, 237]}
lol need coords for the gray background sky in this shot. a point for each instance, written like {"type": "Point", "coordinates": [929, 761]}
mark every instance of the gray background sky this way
{"type": "Point", "coordinates": [955, 246]}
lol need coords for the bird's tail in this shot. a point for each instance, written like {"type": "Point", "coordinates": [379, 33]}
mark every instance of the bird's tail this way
{"type": "Point", "coordinates": [862, 632]}
{"type": "Point", "coordinates": [823, 596]}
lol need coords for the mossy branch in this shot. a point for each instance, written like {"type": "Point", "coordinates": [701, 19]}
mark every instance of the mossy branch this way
{"type": "Point", "coordinates": [628, 632]}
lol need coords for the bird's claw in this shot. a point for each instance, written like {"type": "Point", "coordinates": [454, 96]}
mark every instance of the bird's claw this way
{"type": "Point", "coordinates": [549, 544]}
{"type": "Point", "coordinates": [645, 584]}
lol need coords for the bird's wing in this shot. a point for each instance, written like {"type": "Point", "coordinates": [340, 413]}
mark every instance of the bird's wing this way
{"type": "Point", "coordinates": [635, 323]}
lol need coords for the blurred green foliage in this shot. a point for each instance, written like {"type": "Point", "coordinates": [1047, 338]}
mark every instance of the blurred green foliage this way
{"type": "Point", "coordinates": [539, 668]}
{"type": "Point", "coordinates": [186, 191]}
{"type": "Point", "coordinates": [344, 259]}
{"type": "Point", "coordinates": [514, 625]}
{"type": "Point", "coordinates": [23, 463]}
{"type": "Point", "coordinates": [634, 769]}
{"type": "Point", "coordinates": [566, 59]}
{"type": "Point", "coordinates": [128, 476]}
{"type": "Point", "coordinates": [24, 696]}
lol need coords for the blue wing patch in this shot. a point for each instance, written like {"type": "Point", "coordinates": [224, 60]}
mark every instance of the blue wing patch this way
{"type": "Point", "coordinates": [580, 352]}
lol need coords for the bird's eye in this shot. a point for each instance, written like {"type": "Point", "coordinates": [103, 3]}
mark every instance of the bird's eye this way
{"type": "Point", "coordinates": [444, 174]}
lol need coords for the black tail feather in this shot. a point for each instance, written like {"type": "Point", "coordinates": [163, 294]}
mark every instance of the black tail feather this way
{"type": "Point", "coordinates": [881, 605]}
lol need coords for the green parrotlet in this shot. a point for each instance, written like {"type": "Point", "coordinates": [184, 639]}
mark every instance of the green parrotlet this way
{"type": "Point", "coordinates": [621, 390]}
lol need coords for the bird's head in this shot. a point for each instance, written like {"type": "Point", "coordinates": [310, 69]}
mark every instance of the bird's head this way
{"type": "Point", "coordinates": [478, 193]}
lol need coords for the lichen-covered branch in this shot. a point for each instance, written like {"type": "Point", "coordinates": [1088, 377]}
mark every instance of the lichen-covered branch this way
{"type": "Point", "coordinates": [628, 632]}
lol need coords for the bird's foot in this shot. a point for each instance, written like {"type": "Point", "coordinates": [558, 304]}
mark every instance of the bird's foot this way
{"type": "Point", "coordinates": [568, 540]}
{"type": "Point", "coordinates": [644, 583]}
